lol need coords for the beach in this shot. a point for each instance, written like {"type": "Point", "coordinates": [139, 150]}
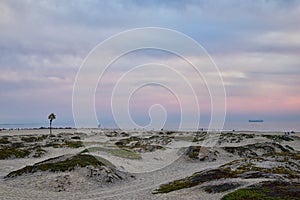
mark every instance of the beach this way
{"type": "Point", "coordinates": [158, 100]}
{"type": "Point", "coordinates": [141, 164]}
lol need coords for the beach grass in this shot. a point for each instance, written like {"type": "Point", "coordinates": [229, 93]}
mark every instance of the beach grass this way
{"type": "Point", "coordinates": [13, 153]}
{"type": "Point", "coordinates": [268, 190]}
{"type": "Point", "coordinates": [79, 160]}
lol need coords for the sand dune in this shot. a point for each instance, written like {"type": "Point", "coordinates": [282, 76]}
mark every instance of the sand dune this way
{"type": "Point", "coordinates": [141, 164]}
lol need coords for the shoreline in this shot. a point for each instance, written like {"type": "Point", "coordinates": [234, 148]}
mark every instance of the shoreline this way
{"type": "Point", "coordinates": [272, 126]}
{"type": "Point", "coordinates": [70, 129]}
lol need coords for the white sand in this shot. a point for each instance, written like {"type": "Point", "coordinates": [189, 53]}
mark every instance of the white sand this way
{"type": "Point", "coordinates": [153, 170]}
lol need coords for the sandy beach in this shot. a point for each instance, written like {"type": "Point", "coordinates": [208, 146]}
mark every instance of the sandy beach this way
{"type": "Point", "coordinates": [141, 164]}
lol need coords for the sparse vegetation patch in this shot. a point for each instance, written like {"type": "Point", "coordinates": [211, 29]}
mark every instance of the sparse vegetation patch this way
{"type": "Point", "coordinates": [68, 164]}
{"type": "Point", "coordinates": [7, 153]}
{"type": "Point", "coordinates": [221, 187]}
{"type": "Point", "coordinates": [269, 190]}
{"type": "Point", "coordinates": [119, 152]}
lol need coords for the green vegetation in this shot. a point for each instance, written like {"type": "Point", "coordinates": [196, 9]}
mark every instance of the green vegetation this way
{"type": "Point", "coordinates": [201, 153]}
{"type": "Point", "coordinates": [13, 153]}
{"type": "Point", "coordinates": [244, 194]}
{"type": "Point", "coordinates": [194, 154]}
{"type": "Point", "coordinates": [79, 160]}
{"type": "Point", "coordinates": [195, 179]}
{"type": "Point", "coordinates": [118, 152]}
{"type": "Point", "coordinates": [295, 156]}
{"type": "Point", "coordinates": [73, 144]}
{"type": "Point", "coordinates": [251, 150]}
{"type": "Point", "coordinates": [175, 185]}
{"type": "Point", "coordinates": [268, 190]}
{"type": "Point", "coordinates": [42, 137]}
{"type": "Point", "coordinates": [276, 170]}
{"type": "Point", "coordinates": [278, 138]}
{"type": "Point", "coordinates": [39, 152]}
{"type": "Point", "coordinates": [221, 188]}
{"type": "Point", "coordinates": [16, 145]}
{"type": "Point", "coordinates": [146, 147]}
{"type": "Point", "coordinates": [199, 136]}
{"type": "Point", "coordinates": [244, 168]}
{"type": "Point", "coordinates": [234, 137]}
{"type": "Point", "coordinates": [144, 144]}
{"type": "Point", "coordinates": [29, 139]}
{"type": "Point", "coordinates": [104, 161]}
{"type": "Point", "coordinates": [4, 141]}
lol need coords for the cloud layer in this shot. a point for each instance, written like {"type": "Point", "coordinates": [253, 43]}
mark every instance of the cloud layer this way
{"type": "Point", "coordinates": [256, 46]}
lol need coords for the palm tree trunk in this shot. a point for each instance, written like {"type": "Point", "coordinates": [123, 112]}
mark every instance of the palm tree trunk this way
{"type": "Point", "coordinates": [50, 127]}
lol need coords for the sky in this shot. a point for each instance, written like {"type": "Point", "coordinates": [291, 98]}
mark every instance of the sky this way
{"type": "Point", "coordinates": [254, 44]}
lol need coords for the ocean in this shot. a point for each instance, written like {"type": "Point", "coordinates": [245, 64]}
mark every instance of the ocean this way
{"type": "Point", "coordinates": [237, 126]}
{"type": "Point", "coordinates": [263, 126]}
{"type": "Point", "coordinates": [32, 125]}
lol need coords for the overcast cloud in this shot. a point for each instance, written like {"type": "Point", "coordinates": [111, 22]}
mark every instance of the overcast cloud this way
{"type": "Point", "coordinates": [255, 44]}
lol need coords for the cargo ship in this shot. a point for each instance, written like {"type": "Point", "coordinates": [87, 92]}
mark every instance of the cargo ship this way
{"type": "Point", "coordinates": [255, 120]}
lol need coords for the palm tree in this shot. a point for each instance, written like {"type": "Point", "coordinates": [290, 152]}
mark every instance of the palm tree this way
{"type": "Point", "coordinates": [51, 117]}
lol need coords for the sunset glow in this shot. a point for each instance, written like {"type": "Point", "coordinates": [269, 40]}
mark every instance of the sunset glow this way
{"type": "Point", "coordinates": [255, 45]}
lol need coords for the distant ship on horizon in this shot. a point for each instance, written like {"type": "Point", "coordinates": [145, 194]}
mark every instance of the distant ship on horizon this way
{"type": "Point", "coordinates": [255, 120]}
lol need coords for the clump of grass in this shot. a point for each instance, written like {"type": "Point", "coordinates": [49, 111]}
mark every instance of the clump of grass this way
{"type": "Point", "coordinates": [39, 152]}
{"type": "Point", "coordinates": [29, 139]}
{"type": "Point", "coordinates": [16, 145]}
{"type": "Point", "coordinates": [126, 141]}
{"type": "Point", "coordinates": [221, 187]}
{"type": "Point", "coordinates": [278, 138]}
{"type": "Point", "coordinates": [252, 150]}
{"type": "Point", "coordinates": [42, 137]}
{"type": "Point", "coordinates": [199, 136]}
{"type": "Point", "coordinates": [175, 185]}
{"type": "Point", "coordinates": [10, 152]}
{"type": "Point", "coordinates": [284, 170]}
{"type": "Point", "coordinates": [79, 160]}
{"type": "Point", "coordinates": [295, 156]}
{"type": "Point", "coordinates": [194, 155]}
{"type": "Point", "coordinates": [234, 137]}
{"type": "Point", "coordinates": [13, 153]}
{"type": "Point", "coordinates": [74, 144]}
{"type": "Point", "coordinates": [243, 151]}
{"type": "Point", "coordinates": [143, 144]}
{"type": "Point", "coordinates": [245, 193]}
{"type": "Point", "coordinates": [195, 179]}
{"type": "Point", "coordinates": [4, 141]}
{"type": "Point", "coordinates": [268, 190]}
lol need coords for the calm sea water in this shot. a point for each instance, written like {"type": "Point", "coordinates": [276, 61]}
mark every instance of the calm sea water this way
{"type": "Point", "coordinates": [238, 126]}
{"type": "Point", "coordinates": [263, 126]}
{"type": "Point", "coordinates": [31, 125]}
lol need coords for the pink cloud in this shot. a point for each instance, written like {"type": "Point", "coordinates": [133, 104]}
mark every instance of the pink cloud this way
{"type": "Point", "coordinates": [259, 104]}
